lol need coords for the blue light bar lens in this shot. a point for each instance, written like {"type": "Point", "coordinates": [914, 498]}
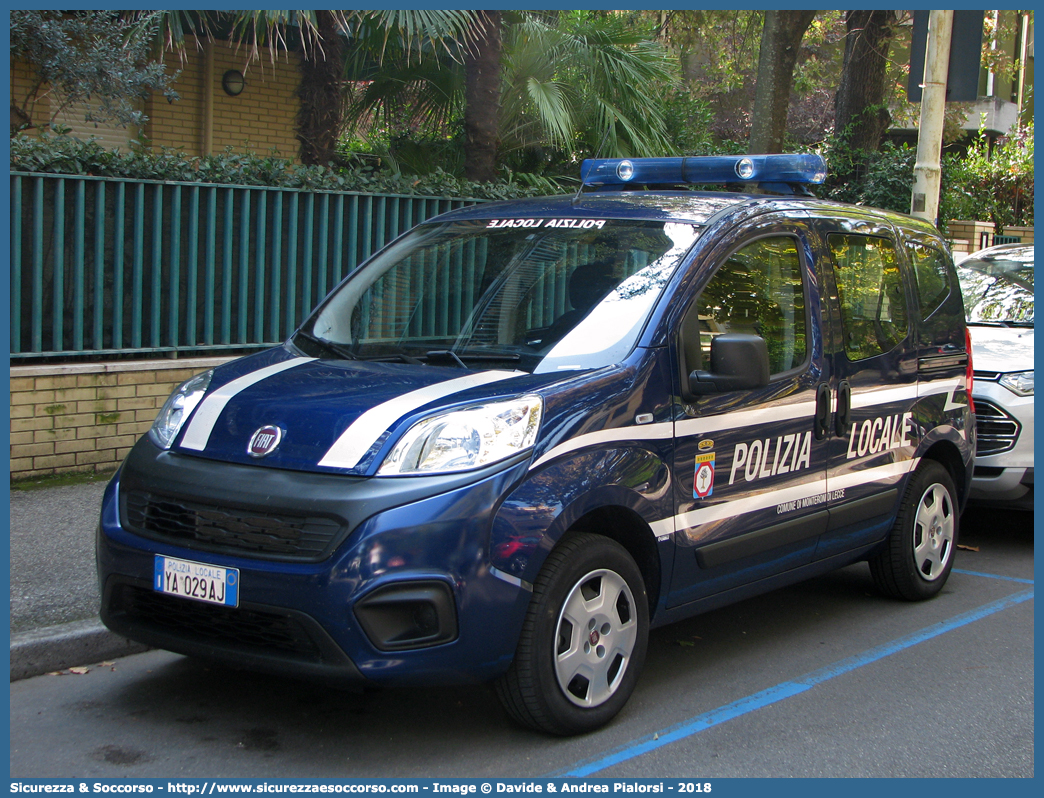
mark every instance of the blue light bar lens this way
{"type": "Point", "coordinates": [790, 168]}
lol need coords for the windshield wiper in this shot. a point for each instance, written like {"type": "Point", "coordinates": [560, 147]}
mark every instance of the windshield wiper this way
{"type": "Point", "coordinates": [401, 357]}
{"type": "Point", "coordinates": [445, 354]}
{"type": "Point", "coordinates": [461, 358]}
{"type": "Point", "coordinates": [340, 350]}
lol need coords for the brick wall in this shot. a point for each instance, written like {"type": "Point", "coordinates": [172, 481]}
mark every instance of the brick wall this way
{"type": "Point", "coordinates": [967, 236]}
{"type": "Point", "coordinates": [86, 417]}
{"type": "Point", "coordinates": [260, 120]}
{"type": "Point", "coordinates": [262, 117]}
{"type": "Point", "coordinates": [179, 125]}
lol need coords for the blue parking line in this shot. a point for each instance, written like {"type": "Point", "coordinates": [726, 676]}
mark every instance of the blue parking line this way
{"type": "Point", "coordinates": [784, 690]}
{"type": "Point", "coordinates": [993, 576]}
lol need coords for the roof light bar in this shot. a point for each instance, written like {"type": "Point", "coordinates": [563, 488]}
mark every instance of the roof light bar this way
{"type": "Point", "coordinates": [790, 168]}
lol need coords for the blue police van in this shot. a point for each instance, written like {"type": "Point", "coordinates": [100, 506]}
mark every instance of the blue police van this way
{"type": "Point", "coordinates": [526, 432]}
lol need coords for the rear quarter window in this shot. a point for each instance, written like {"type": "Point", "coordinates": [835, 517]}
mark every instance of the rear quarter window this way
{"type": "Point", "coordinates": [933, 276]}
{"type": "Point", "coordinates": [870, 290]}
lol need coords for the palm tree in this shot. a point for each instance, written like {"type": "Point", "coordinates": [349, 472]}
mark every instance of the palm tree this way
{"type": "Point", "coordinates": [482, 99]}
{"type": "Point", "coordinates": [586, 82]}
{"type": "Point", "coordinates": [323, 37]}
{"type": "Point", "coordinates": [571, 81]}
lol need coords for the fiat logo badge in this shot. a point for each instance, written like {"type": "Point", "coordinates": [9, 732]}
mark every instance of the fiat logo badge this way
{"type": "Point", "coordinates": [264, 441]}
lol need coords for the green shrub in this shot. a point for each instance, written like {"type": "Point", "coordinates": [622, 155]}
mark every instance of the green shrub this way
{"type": "Point", "coordinates": [977, 185]}
{"type": "Point", "coordinates": [61, 154]}
{"type": "Point", "coordinates": [992, 186]}
{"type": "Point", "coordinates": [881, 179]}
{"type": "Point", "coordinates": [888, 178]}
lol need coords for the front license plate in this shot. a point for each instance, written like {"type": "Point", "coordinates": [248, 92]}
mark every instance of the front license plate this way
{"type": "Point", "coordinates": [197, 581]}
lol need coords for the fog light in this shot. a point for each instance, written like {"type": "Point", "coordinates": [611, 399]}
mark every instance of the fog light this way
{"type": "Point", "coordinates": [408, 615]}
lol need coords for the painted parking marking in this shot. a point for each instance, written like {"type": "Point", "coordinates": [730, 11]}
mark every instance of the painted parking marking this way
{"type": "Point", "coordinates": [993, 576]}
{"type": "Point", "coordinates": [784, 690]}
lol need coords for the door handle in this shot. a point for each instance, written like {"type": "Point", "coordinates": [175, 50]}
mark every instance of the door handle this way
{"type": "Point", "coordinates": [843, 417]}
{"type": "Point", "coordinates": [822, 422]}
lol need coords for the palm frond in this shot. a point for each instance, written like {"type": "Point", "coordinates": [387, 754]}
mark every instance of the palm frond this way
{"type": "Point", "coordinates": [423, 94]}
{"type": "Point", "coordinates": [412, 32]}
{"type": "Point", "coordinates": [549, 100]}
{"type": "Point", "coordinates": [269, 28]}
{"type": "Point", "coordinates": [602, 68]}
{"type": "Point", "coordinates": [173, 28]}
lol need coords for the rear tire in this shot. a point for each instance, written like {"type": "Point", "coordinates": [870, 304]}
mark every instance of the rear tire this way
{"type": "Point", "coordinates": [583, 641]}
{"type": "Point", "coordinates": [916, 560]}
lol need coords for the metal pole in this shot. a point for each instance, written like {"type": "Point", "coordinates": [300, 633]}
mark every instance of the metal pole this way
{"type": "Point", "coordinates": [927, 172]}
{"type": "Point", "coordinates": [208, 98]}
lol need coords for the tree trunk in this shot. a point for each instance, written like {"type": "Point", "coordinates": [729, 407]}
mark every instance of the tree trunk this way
{"type": "Point", "coordinates": [482, 99]}
{"type": "Point", "coordinates": [321, 93]}
{"type": "Point", "coordinates": [860, 114]}
{"type": "Point", "coordinates": [780, 44]}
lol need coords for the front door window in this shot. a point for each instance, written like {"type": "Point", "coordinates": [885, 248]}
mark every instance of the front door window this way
{"type": "Point", "coordinates": [751, 490]}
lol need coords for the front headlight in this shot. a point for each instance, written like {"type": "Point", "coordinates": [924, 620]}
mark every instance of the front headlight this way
{"type": "Point", "coordinates": [1018, 382]}
{"type": "Point", "coordinates": [177, 409]}
{"type": "Point", "coordinates": [464, 439]}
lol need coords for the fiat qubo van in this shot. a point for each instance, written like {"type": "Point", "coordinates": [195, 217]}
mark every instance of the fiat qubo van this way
{"type": "Point", "coordinates": [527, 432]}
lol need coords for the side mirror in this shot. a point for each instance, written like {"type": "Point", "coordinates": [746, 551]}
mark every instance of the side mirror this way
{"type": "Point", "coordinates": [739, 362]}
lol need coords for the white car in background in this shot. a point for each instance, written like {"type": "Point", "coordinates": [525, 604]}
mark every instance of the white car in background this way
{"type": "Point", "coordinates": [998, 299]}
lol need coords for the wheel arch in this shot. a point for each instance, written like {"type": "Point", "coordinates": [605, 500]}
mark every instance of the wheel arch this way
{"type": "Point", "coordinates": [949, 457]}
{"type": "Point", "coordinates": [626, 527]}
{"type": "Point", "coordinates": [616, 492]}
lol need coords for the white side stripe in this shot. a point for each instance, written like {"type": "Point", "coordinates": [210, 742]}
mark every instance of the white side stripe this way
{"type": "Point", "coordinates": [871, 397]}
{"type": "Point", "coordinates": [694, 426]}
{"type": "Point", "coordinates": [202, 424]}
{"type": "Point", "coordinates": [948, 387]}
{"type": "Point", "coordinates": [730, 509]}
{"type": "Point", "coordinates": [762, 501]}
{"type": "Point", "coordinates": [732, 420]}
{"type": "Point", "coordinates": [648, 432]}
{"type": "Point", "coordinates": [663, 528]}
{"type": "Point", "coordinates": [363, 433]}
{"type": "Point", "coordinates": [886, 473]}
{"type": "Point", "coordinates": [735, 420]}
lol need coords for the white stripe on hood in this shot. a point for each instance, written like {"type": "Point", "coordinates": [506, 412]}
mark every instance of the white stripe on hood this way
{"type": "Point", "coordinates": [363, 433]}
{"type": "Point", "coordinates": [202, 424]}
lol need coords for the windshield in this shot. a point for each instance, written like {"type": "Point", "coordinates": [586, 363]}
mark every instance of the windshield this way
{"type": "Point", "coordinates": [531, 294]}
{"type": "Point", "coordinates": [998, 288]}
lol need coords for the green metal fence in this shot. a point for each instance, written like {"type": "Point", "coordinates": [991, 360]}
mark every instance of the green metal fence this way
{"type": "Point", "coordinates": [101, 266]}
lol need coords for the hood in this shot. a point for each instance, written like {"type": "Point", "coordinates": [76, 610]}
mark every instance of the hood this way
{"type": "Point", "coordinates": [331, 415]}
{"type": "Point", "coordinates": [1002, 349]}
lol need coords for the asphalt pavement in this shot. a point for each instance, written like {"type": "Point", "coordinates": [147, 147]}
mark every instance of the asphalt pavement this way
{"type": "Point", "coordinates": [54, 585]}
{"type": "Point", "coordinates": [54, 588]}
{"type": "Point", "coordinates": [821, 679]}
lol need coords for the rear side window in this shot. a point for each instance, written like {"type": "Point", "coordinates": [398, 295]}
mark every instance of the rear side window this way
{"type": "Point", "coordinates": [932, 275]}
{"type": "Point", "coordinates": [758, 290]}
{"type": "Point", "coordinates": [870, 291]}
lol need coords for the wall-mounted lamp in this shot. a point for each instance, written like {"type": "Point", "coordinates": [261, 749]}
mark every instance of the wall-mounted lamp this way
{"type": "Point", "coordinates": [233, 82]}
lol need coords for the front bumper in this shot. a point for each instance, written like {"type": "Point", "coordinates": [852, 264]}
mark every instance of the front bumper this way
{"type": "Point", "coordinates": [1004, 460]}
{"type": "Point", "coordinates": [299, 608]}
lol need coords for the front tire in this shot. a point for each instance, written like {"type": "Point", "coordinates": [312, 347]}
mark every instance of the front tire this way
{"type": "Point", "coordinates": [918, 556]}
{"type": "Point", "coordinates": [583, 641]}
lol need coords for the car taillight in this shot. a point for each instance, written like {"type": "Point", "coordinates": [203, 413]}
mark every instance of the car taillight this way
{"type": "Point", "coordinates": [970, 373]}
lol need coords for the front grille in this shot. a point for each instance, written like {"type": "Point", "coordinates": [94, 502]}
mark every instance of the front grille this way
{"type": "Point", "coordinates": [229, 530]}
{"type": "Point", "coordinates": [995, 430]}
{"type": "Point", "coordinates": [254, 629]}
{"type": "Point", "coordinates": [987, 376]}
